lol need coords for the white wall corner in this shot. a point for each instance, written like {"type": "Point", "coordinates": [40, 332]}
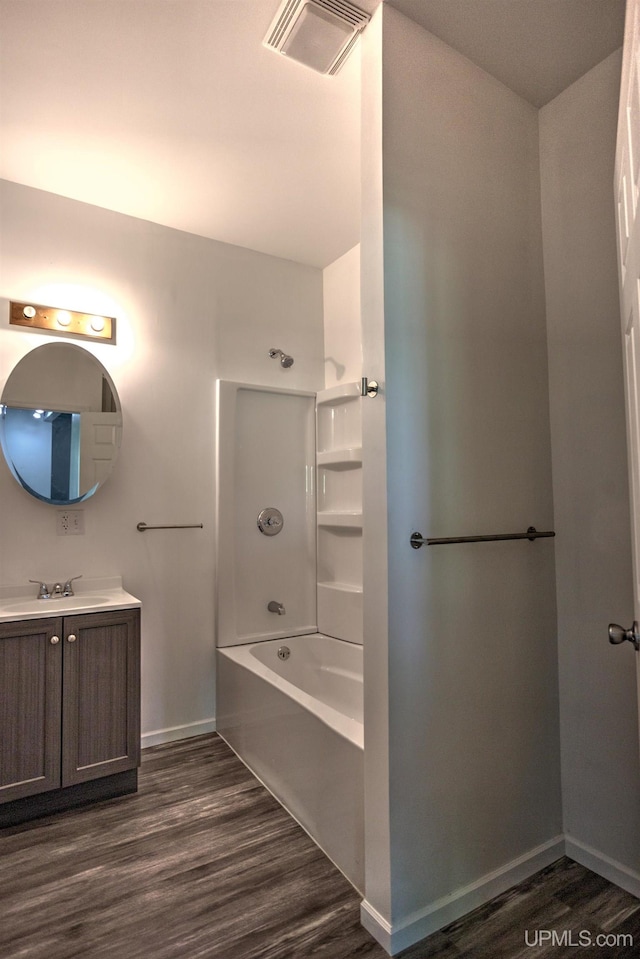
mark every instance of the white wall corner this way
{"type": "Point", "coordinates": [174, 733]}
{"type": "Point", "coordinates": [604, 866]}
{"type": "Point", "coordinates": [342, 319]}
{"type": "Point", "coordinates": [394, 937]}
{"type": "Point", "coordinates": [376, 924]}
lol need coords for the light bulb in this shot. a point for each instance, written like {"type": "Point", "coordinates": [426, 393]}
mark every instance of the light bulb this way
{"type": "Point", "coordinates": [29, 312]}
{"type": "Point", "coordinates": [64, 318]}
{"type": "Point", "coordinates": [97, 324]}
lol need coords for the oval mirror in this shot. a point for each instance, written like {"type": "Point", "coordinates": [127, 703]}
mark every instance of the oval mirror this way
{"type": "Point", "coordinates": [60, 423]}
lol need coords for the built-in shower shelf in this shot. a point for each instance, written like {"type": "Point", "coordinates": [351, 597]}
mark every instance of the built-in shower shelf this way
{"type": "Point", "coordinates": [350, 519]}
{"type": "Point", "coordinates": [336, 395]}
{"type": "Point", "coordinates": [339, 516]}
{"type": "Point", "coordinates": [340, 611]}
{"type": "Point", "coordinates": [340, 459]}
{"type": "Point", "coordinates": [341, 587]}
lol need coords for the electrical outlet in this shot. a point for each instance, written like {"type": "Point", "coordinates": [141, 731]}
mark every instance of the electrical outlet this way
{"type": "Point", "coordinates": [70, 522]}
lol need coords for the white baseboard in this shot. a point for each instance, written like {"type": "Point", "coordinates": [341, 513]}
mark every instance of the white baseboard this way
{"type": "Point", "coordinates": [173, 733]}
{"type": "Point", "coordinates": [608, 868]}
{"type": "Point", "coordinates": [394, 938]}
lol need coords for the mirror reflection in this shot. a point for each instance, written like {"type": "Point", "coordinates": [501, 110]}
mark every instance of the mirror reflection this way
{"type": "Point", "coordinates": [60, 423]}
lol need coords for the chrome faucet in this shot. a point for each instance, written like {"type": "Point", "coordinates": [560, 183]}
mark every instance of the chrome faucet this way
{"type": "Point", "coordinates": [43, 589]}
{"type": "Point", "coordinates": [275, 607]}
{"type": "Point", "coordinates": [57, 590]}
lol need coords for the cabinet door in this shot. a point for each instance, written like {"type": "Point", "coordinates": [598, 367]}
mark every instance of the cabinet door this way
{"type": "Point", "coordinates": [30, 692]}
{"type": "Point", "coordinates": [101, 695]}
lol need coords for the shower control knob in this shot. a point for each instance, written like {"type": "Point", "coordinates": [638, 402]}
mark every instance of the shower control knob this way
{"type": "Point", "coordinates": [270, 521]}
{"type": "Point", "coordinates": [618, 634]}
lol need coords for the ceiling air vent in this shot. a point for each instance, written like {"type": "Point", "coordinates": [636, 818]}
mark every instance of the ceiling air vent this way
{"type": "Point", "coordinates": [318, 33]}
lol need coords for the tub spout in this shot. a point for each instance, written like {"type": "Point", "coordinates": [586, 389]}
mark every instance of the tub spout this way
{"type": "Point", "coordinates": [275, 607]}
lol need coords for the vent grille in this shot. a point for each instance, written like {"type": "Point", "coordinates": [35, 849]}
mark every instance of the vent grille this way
{"type": "Point", "coordinates": [354, 18]}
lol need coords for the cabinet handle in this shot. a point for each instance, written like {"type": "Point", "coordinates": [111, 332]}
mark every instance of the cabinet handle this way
{"type": "Point", "coordinates": [54, 640]}
{"type": "Point", "coordinates": [71, 638]}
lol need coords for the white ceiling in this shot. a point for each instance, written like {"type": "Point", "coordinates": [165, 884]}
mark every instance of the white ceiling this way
{"type": "Point", "coordinates": [173, 111]}
{"type": "Point", "coordinates": [535, 47]}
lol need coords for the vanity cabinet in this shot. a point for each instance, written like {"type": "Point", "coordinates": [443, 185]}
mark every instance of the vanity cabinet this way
{"type": "Point", "coordinates": [69, 710]}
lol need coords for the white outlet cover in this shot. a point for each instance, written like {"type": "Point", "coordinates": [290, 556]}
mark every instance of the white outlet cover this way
{"type": "Point", "coordinates": [70, 522]}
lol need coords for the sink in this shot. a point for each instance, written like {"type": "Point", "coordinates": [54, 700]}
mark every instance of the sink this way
{"type": "Point", "coordinates": [52, 607]}
{"type": "Point", "coordinates": [104, 594]}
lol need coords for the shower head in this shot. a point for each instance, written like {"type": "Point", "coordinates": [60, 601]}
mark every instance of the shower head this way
{"type": "Point", "coordinates": [285, 361]}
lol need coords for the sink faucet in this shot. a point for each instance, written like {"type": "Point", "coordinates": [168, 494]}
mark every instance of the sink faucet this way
{"type": "Point", "coordinates": [57, 590]}
{"type": "Point", "coordinates": [275, 607]}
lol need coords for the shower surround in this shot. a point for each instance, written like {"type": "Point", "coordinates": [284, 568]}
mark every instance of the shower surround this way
{"type": "Point", "coordinates": [289, 610]}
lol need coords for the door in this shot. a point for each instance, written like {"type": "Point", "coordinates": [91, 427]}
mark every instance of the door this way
{"type": "Point", "coordinates": [627, 186]}
{"type": "Point", "coordinates": [30, 693]}
{"type": "Point", "coordinates": [101, 695]}
{"type": "Point", "coordinates": [99, 443]}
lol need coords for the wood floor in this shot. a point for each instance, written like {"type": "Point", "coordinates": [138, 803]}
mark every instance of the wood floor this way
{"type": "Point", "coordinates": [204, 864]}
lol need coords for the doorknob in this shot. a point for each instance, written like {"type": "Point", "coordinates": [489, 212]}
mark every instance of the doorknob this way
{"type": "Point", "coordinates": [617, 634]}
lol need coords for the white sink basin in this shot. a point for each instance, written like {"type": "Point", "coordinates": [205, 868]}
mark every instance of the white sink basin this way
{"type": "Point", "coordinates": [52, 607]}
{"type": "Point", "coordinates": [112, 596]}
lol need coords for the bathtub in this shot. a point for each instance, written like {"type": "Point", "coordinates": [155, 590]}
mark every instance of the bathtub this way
{"type": "Point", "coordinates": [296, 722]}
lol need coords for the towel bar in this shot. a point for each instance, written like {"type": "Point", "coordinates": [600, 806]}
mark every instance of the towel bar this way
{"type": "Point", "coordinates": [417, 539]}
{"type": "Point", "coordinates": [142, 527]}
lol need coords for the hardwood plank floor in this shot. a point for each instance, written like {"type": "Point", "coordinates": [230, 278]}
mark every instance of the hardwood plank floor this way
{"type": "Point", "coordinates": [203, 863]}
{"type": "Point", "coordinates": [555, 914]}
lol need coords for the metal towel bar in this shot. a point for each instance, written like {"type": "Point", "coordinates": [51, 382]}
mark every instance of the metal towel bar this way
{"type": "Point", "coordinates": [418, 540]}
{"type": "Point", "coordinates": [142, 527]}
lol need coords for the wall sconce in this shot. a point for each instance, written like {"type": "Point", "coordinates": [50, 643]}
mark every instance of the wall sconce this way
{"type": "Point", "coordinates": [84, 325]}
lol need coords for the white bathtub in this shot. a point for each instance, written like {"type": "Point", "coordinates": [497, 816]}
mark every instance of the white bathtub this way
{"type": "Point", "coordinates": [297, 724]}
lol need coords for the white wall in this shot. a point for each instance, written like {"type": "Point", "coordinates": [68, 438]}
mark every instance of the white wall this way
{"type": "Point", "coordinates": [189, 310]}
{"type": "Point", "coordinates": [470, 656]}
{"type": "Point", "coordinates": [342, 323]}
{"type": "Point", "coordinates": [267, 454]}
{"type": "Point", "coordinates": [599, 720]}
{"type": "Point", "coordinates": [377, 772]}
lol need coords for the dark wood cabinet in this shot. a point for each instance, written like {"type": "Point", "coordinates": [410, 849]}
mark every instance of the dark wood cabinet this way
{"type": "Point", "coordinates": [30, 707]}
{"type": "Point", "coordinates": [69, 710]}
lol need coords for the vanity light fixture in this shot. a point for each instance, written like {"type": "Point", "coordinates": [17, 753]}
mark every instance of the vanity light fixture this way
{"type": "Point", "coordinates": [52, 320]}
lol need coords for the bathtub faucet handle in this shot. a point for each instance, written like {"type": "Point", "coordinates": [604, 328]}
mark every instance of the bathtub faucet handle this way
{"type": "Point", "coordinates": [275, 607]}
